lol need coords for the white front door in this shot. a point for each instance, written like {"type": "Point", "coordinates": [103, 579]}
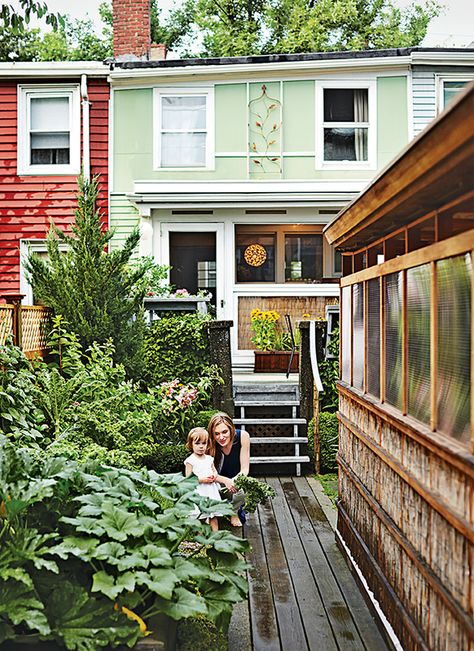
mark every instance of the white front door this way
{"type": "Point", "coordinates": [195, 252]}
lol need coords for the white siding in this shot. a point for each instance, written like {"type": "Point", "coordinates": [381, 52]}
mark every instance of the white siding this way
{"type": "Point", "coordinates": [424, 99]}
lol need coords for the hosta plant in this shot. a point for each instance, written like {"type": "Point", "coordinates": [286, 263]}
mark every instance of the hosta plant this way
{"type": "Point", "coordinates": [88, 553]}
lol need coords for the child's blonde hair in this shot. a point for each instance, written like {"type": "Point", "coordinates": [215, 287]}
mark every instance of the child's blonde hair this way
{"type": "Point", "coordinates": [196, 435]}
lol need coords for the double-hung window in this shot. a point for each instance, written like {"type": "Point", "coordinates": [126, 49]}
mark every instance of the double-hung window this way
{"type": "Point", "coordinates": [48, 130]}
{"type": "Point", "coordinates": [345, 125]}
{"type": "Point", "coordinates": [185, 126]}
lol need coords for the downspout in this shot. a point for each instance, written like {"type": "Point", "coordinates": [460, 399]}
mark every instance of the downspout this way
{"type": "Point", "coordinates": [86, 155]}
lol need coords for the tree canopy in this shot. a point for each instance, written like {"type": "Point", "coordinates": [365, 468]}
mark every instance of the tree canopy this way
{"type": "Point", "coordinates": [211, 28]}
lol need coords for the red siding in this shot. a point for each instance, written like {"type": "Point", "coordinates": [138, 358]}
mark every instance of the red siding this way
{"type": "Point", "coordinates": [28, 203]}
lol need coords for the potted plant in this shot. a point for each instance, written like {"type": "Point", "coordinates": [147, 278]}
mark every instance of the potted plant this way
{"type": "Point", "coordinates": [273, 347]}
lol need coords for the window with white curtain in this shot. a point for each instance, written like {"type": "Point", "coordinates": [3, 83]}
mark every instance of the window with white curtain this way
{"type": "Point", "coordinates": [185, 129]}
{"type": "Point", "coordinates": [345, 129]}
{"type": "Point", "coordinates": [48, 130]}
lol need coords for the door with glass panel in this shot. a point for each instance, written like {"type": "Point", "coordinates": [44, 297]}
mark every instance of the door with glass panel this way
{"type": "Point", "coordinates": [195, 254]}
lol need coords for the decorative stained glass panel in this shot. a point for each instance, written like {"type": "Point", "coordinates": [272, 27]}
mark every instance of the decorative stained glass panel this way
{"type": "Point", "coordinates": [418, 333]}
{"type": "Point", "coordinates": [393, 339]}
{"type": "Point", "coordinates": [454, 278]}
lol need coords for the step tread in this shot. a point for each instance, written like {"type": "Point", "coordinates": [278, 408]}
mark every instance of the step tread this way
{"type": "Point", "coordinates": [278, 439]}
{"type": "Point", "coordinates": [266, 403]}
{"type": "Point", "coordinates": [269, 421]}
{"type": "Point", "coordinates": [299, 459]}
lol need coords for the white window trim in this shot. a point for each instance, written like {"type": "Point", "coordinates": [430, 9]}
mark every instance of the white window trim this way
{"type": "Point", "coordinates": [439, 86]}
{"type": "Point", "coordinates": [371, 162]}
{"type": "Point", "coordinates": [25, 93]}
{"type": "Point", "coordinates": [158, 94]}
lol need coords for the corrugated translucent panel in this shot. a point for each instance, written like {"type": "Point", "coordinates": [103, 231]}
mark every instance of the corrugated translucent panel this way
{"type": "Point", "coordinates": [393, 339]}
{"type": "Point", "coordinates": [373, 337]}
{"type": "Point", "coordinates": [358, 352]}
{"type": "Point", "coordinates": [418, 335]}
{"type": "Point", "coordinates": [346, 339]}
{"type": "Point", "coordinates": [454, 277]}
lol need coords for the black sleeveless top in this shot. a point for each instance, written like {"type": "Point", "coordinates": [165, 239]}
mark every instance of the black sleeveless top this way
{"type": "Point", "coordinates": [231, 462]}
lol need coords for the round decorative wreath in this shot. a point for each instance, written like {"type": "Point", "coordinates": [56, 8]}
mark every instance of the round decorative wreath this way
{"type": "Point", "coordinates": [255, 255]}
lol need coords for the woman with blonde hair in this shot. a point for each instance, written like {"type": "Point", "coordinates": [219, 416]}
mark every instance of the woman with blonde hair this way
{"type": "Point", "coordinates": [231, 451]}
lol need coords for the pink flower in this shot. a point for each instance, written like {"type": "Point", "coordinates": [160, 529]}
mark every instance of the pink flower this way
{"type": "Point", "coordinates": [181, 292]}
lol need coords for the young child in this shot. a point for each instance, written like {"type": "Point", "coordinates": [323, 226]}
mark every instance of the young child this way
{"type": "Point", "coordinates": [202, 465]}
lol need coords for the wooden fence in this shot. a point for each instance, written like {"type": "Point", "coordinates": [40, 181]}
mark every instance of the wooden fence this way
{"type": "Point", "coordinates": [27, 325]}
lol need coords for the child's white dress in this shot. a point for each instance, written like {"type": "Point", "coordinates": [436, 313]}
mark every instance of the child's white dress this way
{"type": "Point", "coordinates": [203, 467]}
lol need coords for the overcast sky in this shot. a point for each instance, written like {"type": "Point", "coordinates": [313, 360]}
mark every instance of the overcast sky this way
{"type": "Point", "coordinates": [454, 28]}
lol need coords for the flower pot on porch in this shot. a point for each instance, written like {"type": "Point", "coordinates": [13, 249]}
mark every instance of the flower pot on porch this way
{"type": "Point", "coordinates": [275, 361]}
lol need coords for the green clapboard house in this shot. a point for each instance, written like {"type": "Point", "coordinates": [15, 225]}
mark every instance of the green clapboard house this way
{"type": "Point", "coordinates": [232, 167]}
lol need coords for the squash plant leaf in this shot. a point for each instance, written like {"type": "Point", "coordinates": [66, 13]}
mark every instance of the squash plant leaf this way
{"type": "Point", "coordinates": [162, 582]}
{"type": "Point", "coordinates": [74, 546]}
{"type": "Point", "coordinates": [20, 605]}
{"type": "Point", "coordinates": [84, 623]}
{"type": "Point", "coordinates": [222, 542]}
{"type": "Point", "coordinates": [119, 523]}
{"type": "Point", "coordinates": [184, 604]}
{"type": "Point", "coordinates": [110, 586]}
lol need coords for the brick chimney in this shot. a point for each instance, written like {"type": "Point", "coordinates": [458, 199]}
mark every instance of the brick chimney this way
{"type": "Point", "coordinates": [132, 33]}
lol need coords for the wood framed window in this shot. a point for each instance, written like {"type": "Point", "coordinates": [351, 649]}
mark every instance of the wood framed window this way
{"type": "Point", "coordinates": [184, 120]}
{"type": "Point", "coordinates": [345, 125]}
{"type": "Point", "coordinates": [48, 130]}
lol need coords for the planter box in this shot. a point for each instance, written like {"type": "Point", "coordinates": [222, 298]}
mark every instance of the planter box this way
{"type": "Point", "coordinates": [275, 361]}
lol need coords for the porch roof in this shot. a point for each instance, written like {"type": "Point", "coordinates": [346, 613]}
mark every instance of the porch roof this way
{"type": "Point", "coordinates": [244, 194]}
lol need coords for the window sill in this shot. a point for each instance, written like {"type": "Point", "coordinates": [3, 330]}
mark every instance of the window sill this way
{"type": "Point", "coordinates": [49, 170]}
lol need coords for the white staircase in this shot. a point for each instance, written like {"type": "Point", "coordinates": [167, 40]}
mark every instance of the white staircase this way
{"type": "Point", "coordinates": [269, 413]}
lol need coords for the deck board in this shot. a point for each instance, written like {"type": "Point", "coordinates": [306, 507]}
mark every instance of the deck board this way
{"type": "Point", "coordinates": [301, 592]}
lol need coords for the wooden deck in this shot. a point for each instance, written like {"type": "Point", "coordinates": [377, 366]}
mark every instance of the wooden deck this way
{"type": "Point", "coordinates": [301, 592]}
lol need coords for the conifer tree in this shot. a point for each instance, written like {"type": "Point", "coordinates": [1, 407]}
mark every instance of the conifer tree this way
{"type": "Point", "coordinates": [97, 293]}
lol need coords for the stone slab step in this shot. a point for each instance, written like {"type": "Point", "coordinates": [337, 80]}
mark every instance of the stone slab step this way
{"type": "Point", "coordinates": [278, 439]}
{"type": "Point", "coordinates": [259, 460]}
{"type": "Point", "coordinates": [266, 403]}
{"type": "Point", "coordinates": [269, 421]}
{"type": "Point", "coordinates": [265, 388]}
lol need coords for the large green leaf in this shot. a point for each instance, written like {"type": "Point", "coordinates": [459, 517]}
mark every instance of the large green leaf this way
{"type": "Point", "coordinates": [16, 574]}
{"type": "Point", "coordinates": [85, 524]}
{"type": "Point", "coordinates": [162, 582]}
{"type": "Point", "coordinates": [20, 604]}
{"type": "Point", "coordinates": [84, 623]}
{"type": "Point", "coordinates": [111, 586]}
{"type": "Point", "coordinates": [83, 548]}
{"type": "Point", "coordinates": [184, 604]}
{"type": "Point", "coordinates": [119, 523]}
{"type": "Point", "coordinates": [223, 541]}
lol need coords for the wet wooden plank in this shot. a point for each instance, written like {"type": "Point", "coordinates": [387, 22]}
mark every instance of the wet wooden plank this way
{"type": "Point", "coordinates": [288, 615]}
{"type": "Point", "coordinates": [362, 617]}
{"type": "Point", "coordinates": [313, 613]}
{"type": "Point", "coordinates": [262, 611]}
{"type": "Point", "coordinates": [335, 607]}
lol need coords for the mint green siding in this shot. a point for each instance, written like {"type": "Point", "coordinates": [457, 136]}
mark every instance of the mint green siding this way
{"type": "Point", "coordinates": [392, 117]}
{"type": "Point", "coordinates": [133, 133]}
{"type": "Point", "coordinates": [231, 120]}
{"type": "Point", "coordinates": [123, 218]}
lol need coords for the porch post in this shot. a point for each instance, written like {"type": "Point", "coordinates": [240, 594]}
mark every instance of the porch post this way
{"type": "Point", "coordinates": [306, 374]}
{"type": "Point", "coordinates": [219, 346]}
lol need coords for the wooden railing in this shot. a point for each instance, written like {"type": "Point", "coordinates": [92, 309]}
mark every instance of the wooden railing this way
{"type": "Point", "coordinates": [27, 325]}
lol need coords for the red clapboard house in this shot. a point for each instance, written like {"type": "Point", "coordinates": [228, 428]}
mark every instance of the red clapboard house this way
{"type": "Point", "coordinates": [54, 120]}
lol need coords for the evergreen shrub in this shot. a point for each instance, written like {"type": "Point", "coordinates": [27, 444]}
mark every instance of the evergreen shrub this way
{"type": "Point", "coordinates": [329, 441]}
{"type": "Point", "coordinates": [176, 346]}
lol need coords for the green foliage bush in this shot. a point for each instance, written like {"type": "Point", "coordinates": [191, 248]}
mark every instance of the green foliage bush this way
{"type": "Point", "coordinates": [329, 373]}
{"type": "Point", "coordinates": [77, 540]}
{"type": "Point", "coordinates": [176, 347]}
{"type": "Point", "coordinates": [329, 441]}
{"type": "Point", "coordinates": [200, 634]}
{"type": "Point", "coordinates": [329, 438]}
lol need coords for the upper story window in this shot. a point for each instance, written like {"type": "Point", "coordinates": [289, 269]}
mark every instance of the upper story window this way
{"type": "Point", "coordinates": [48, 130]}
{"type": "Point", "coordinates": [345, 125]}
{"type": "Point", "coordinates": [449, 87]}
{"type": "Point", "coordinates": [185, 129]}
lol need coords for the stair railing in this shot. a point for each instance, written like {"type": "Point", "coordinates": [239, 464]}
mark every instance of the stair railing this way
{"type": "Point", "coordinates": [293, 343]}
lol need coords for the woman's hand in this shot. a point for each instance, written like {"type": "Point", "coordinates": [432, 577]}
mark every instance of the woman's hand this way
{"type": "Point", "coordinates": [207, 480]}
{"type": "Point", "coordinates": [229, 484]}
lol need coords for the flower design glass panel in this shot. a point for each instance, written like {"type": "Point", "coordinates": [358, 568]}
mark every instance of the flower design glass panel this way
{"type": "Point", "coordinates": [418, 333]}
{"type": "Point", "coordinates": [248, 270]}
{"type": "Point", "coordinates": [393, 339]}
{"type": "Point", "coordinates": [454, 278]}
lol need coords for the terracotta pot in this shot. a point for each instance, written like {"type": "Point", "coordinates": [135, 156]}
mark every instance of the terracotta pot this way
{"type": "Point", "coordinates": [275, 361]}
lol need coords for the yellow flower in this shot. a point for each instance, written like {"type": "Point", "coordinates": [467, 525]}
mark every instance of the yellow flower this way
{"type": "Point", "coordinates": [306, 316]}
